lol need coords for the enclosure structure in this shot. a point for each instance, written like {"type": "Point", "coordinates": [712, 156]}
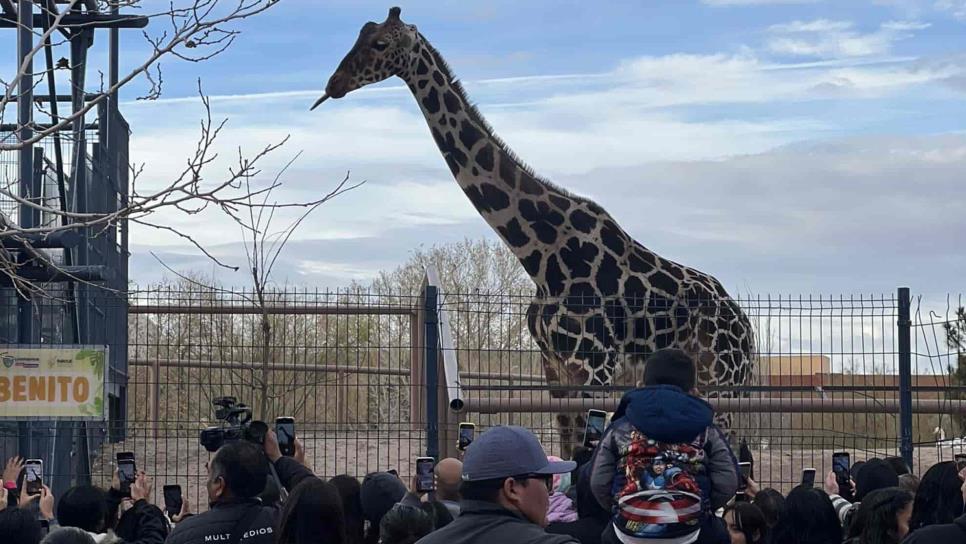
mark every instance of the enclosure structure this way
{"type": "Point", "coordinates": [377, 379]}
{"type": "Point", "coordinates": [77, 275]}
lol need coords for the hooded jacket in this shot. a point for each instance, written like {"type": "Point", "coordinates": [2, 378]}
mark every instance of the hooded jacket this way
{"type": "Point", "coordinates": [667, 414]}
{"type": "Point", "coordinates": [255, 522]}
{"type": "Point", "coordinates": [947, 533]}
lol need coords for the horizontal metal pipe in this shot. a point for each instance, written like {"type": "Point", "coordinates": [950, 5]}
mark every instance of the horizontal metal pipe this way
{"type": "Point", "coordinates": [85, 20]}
{"type": "Point", "coordinates": [272, 310]}
{"type": "Point", "coordinates": [762, 405]}
{"type": "Point", "coordinates": [242, 365]}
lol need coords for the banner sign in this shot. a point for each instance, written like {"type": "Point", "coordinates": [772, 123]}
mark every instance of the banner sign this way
{"type": "Point", "coordinates": [54, 382]}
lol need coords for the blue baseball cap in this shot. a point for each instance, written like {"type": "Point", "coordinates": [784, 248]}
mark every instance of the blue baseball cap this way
{"type": "Point", "coordinates": [508, 450]}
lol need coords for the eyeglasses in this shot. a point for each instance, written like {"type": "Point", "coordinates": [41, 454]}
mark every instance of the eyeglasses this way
{"type": "Point", "coordinates": [546, 478]}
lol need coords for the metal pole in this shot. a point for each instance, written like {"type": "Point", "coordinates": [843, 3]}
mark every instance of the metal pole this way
{"type": "Point", "coordinates": [431, 325]}
{"type": "Point", "coordinates": [904, 327]}
{"type": "Point", "coordinates": [25, 104]}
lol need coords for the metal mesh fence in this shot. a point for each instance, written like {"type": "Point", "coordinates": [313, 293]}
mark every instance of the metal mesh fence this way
{"type": "Point", "coordinates": [350, 367]}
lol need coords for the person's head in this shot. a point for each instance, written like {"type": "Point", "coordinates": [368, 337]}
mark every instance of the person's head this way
{"type": "Point", "coordinates": [771, 503]}
{"type": "Point", "coordinates": [379, 492]}
{"type": "Point", "coordinates": [19, 526]}
{"type": "Point", "coordinates": [238, 470]}
{"type": "Point", "coordinates": [404, 524]}
{"type": "Point", "coordinates": [746, 523]}
{"type": "Point", "coordinates": [84, 507]}
{"type": "Point", "coordinates": [898, 464]}
{"type": "Point", "coordinates": [909, 482]}
{"type": "Point", "coordinates": [874, 474]}
{"type": "Point", "coordinates": [939, 498]}
{"type": "Point", "coordinates": [809, 518]}
{"type": "Point", "coordinates": [883, 517]}
{"type": "Point", "coordinates": [68, 535]}
{"type": "Point", "coordinates": [670, 366]}
{"type": "Point", "coordinates": [312, 515]}
{"type": "Point", "coordinates": [349, 490]}
{"type": "Point", "coordinates": [449, 474]}
{"type": "Point", "coordinates": [506, 465]}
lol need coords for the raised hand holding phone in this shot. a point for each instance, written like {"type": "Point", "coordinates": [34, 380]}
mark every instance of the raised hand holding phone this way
{"type": "Point", "coordinates": [285, 435]}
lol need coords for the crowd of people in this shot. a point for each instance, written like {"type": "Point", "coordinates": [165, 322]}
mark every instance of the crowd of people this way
{"type": "Point", "coordinates": [661, 473]}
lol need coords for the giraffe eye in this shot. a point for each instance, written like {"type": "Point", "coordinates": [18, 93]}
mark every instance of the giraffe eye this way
{"type": "Point", "coordinates": [380, 45]}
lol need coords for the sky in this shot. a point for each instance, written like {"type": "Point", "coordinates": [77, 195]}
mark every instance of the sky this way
{"type": "Point", "coordinates": [783, 146]}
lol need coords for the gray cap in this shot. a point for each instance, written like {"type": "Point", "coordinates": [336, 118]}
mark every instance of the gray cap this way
{"type": "Point", "coordinates": [506, 451]}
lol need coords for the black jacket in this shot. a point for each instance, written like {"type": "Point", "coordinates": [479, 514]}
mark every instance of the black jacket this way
{"type": "Point", "coordinates": [484, 523]}
{"type": "Point", "coordinates": [291, 472]}
{"type": "Point", "coordinates": [948, 533]}
{"type": "Point", "coordinates": [143, 523]}
{"type": "Point", "coordinates": [248, 516]}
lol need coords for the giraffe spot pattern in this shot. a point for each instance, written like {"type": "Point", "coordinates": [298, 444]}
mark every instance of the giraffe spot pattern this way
{"type": "Point", "coordinates": [578, 257]}
{"type": "Point", "coordinates": [563, 204]}
{"type": "Point", "coordinates": [610, 235]}
{"type": "Point", "coordinates": [484, 157]}
{"type": "Point", "coordinates": [440, 80]}
{"type": "Point", "coordinates": [582, 221]}
{"type": "Point", "coordinates": [452, 102]}
{"type": "Point", "coordinates": [508, 171]}
{"type": "Point", "coordinates": [531, 263]}
{"type": "Point", "coordinates": [554, 276]}
{"type": "Point", "coordinates": [494, 197]}
{"type": "Point", "coordinates": [431, 100]}
{"type": "Point", "coordinates": [455, 158]}
{"type": "Point", "coordinates": [469, 134]}
{"type": "Point", "coordinates": [530, 185]}
{"type": "Point", "coordinates": [421, 68]}
{"type": "Point", "coordinates": [513, 233]}
{"type": "Point", "coordinates": [608, 276]}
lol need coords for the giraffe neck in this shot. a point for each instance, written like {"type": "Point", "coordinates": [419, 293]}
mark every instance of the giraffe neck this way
{"type": "Point", "coordinates": [533, 217]}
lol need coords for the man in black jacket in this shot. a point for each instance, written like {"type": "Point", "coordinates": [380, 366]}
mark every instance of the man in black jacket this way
{"type": "Point", "coordinates": [236, 475]}
{"type": "Point", "coordinates": [506, 488]}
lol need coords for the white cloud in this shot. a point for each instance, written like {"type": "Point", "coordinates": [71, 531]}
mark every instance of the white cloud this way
{"type": "Point", "coordinates": [835, 39]}
{"type": "Point", "coordinates": [756, 2]}
{"type": "Point", "coordinates": [956, 8]}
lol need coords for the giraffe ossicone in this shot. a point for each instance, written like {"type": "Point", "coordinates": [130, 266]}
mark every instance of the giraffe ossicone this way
{"type": "Point", "coordinates": [603, 301]}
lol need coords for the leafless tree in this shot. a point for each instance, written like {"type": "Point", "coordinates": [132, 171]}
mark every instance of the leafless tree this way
{"type": "Point", "coordinates": [180, 30]}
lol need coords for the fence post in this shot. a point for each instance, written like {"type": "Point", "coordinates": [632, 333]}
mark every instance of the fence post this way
{"type": "Point", "coordinates": [904, 326]}
{"type": "Point", "coordinates": [431, 361]}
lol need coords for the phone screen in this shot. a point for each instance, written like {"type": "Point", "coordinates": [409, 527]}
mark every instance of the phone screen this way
{"type": "Point", "coordinates": [424, 474]}
{"type": "Point", "coordinates": [467, 432]}
{"type": "Point", "coordinates": [34, 476]}
{"type": "Point", "coordinates": [745, 468]}
{"type": "Point", "coordinates": [840, 466]}
{"type": "Point", "coordinates": [808, 477]}
{"type": "Point", "coordinates": [172, 499]}
{"type": "Point", "coordinates": [285, 431]}
{"type": "Point", "coordinates": [595, 427]}
{"type": "Point", "coordinates": [126, 471]}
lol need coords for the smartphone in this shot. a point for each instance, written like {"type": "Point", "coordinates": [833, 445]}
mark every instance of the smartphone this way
{"type": "Point", "coordinates": [466, 435]}
{"type": "Point", "coordinates": [840, 466]}
{"type": "Point", "coordinates": [285, 431]}
{"type": "Point", "coordinates": [745, 468]}
{"type": "Point", "coordinates": [424, 474]}
{"type": "Point", "coordinates": [741, 497]}
{"type": "Point", "coordinates": [808, 477]}
{"type": "Point", "coordinates": [960, 461]}
{"type": "Point", "coordinates": [594, 430]}
{"type": "Point", "coordinates": [172, 499]}
{"type": "Point", "coordinates": [34, 478]}
{"type": "Point", "coordinates": [126, 471]}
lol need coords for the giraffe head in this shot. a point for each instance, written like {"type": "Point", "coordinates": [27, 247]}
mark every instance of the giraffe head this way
{"type": "Point", "coordinates": [383, 50]}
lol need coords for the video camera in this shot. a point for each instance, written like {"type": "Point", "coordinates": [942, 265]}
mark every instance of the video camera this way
{"type": "Point", "coordinates": [238, 424]}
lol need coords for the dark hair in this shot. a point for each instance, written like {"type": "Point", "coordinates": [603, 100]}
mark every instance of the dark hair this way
{"type": "Point", "coordinates": [84, 507]}
{"type": "Point", "coordinates": [875, 474]}
{"type": "Point", "coordinates": [349, 490]}
{"type": "Point", "coordinates": [809, 518]}
{"type": "Point", "coordinates": [749, 519]}
{"type": "Point", "coordinates": [670, 366]}
{"type": "Point", "coordinates": [312, 514]}
{"type": "Point", "coordinates": [771, 503]}
{"type": "Point", "coordinates": [939, 499]}
{"type": "Point", "coordinates": [243, 466]}
{"type": "Point", "coordinates": [68, 535]}
{"type": "Point", "coordinates": [438, 512]}
{"type": "Point", "coordinates": [482, 490]}
{"type": "Point", "coordinates": [898, 464]}
{"type": "Point", "coordinates": [404, 524]}
{"type": "Point", "coordinates": [19, 526]}
{"type": "Point", "coordinates": [876, 522]}
{"type": "Point", "coordinates": [909, 482]}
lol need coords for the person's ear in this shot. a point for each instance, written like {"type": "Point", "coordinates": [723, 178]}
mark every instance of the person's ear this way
{"type": "Point", "coordinates": [511, 490]}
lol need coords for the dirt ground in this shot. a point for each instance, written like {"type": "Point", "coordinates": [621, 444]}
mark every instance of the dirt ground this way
{"type": "Point", "coordinates": [182, 461]}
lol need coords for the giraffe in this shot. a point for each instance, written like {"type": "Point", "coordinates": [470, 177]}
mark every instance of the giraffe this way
{"type": "Point", "coordinates": [603, 301]}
